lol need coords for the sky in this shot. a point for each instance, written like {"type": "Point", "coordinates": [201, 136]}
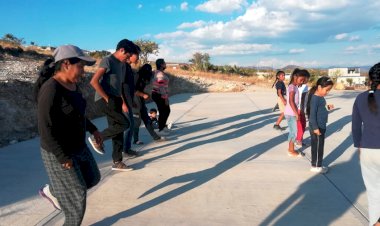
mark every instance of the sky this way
{"type": "Point", "coordinates": [276, 33]}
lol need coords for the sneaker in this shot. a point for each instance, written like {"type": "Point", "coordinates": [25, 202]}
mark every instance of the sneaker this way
{"type": "Point", "coordinates": [138, 142]}
{"type": "Point", "coordinates": [322, 169]}
{"type": "Point", "coordinates": [298, 145]}
{"type": "Point", "coordinates": [170, 125]}
{"type": "Point", "coordinates": [120, 166]}
{"type": "Point", "coordinates": [131, 153]}
{"type": "Point", "coordinates": [45, 193]}
{"type": "Point", "coordinates": [98, 148]}
{"type": "Point", "coordinates": [159, 139]}
{"type": "Point", "coordinates": [278, 127]}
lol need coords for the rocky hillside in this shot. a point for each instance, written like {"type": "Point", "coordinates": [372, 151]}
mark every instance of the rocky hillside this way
{"type": "Point", "coordinates": [18, 109]}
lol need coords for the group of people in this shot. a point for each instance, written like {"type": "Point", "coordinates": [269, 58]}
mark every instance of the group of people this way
{"type": "Point", "coordinates": [296, 100]}
{"type": "Point", "coordinates": [121, 95]}
{"type": "Point", "coordinates": [62, 121]}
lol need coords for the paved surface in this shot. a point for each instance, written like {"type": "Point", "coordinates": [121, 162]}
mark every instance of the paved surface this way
{"type": "Point", "coordinates": [223, 164]}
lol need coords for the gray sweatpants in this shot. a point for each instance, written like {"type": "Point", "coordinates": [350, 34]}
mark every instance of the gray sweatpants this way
{"type": "Point", "coordinates": [370, 166]}
{"type": "Point", "coordinates": [70, 186]}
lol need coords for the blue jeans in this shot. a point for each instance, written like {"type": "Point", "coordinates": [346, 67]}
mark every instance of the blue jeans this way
{"type": "Point", "coordinates": [292, 124]}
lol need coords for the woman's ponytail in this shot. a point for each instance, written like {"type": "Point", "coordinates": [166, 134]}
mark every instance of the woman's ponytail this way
{"type": "Point", "coordinates": [47, 71]}
{"type": "Point", "coordinates": [374, 77]}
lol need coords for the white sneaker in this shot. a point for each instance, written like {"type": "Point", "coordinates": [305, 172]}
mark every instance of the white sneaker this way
{"type": "Point", "coordinates": [98, 148]}
{"type": "Point", "coordinates": [45, 193]}
{"type": "Point", "coordinates": [322, 169]}
{"type": "Point", "coordinates": [297, 145]}
{"type": "Point", "coordinates": [170, 125]}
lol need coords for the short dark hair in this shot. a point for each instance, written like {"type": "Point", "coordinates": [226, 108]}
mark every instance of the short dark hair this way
{"type": "Point", "coordinates": [128, 46]}
{"type": "Point", "coordinates": [159, 63]}
{"type": "Point", "coordinates": [153, 110]}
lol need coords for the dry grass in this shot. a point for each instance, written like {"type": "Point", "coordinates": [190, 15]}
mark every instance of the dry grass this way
{"type": "Point", "coordinates": [210, 75]}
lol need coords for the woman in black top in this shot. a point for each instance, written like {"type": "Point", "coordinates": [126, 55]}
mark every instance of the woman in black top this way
{"type": "Point", "coordinates": [62, 126]}
{"type": "Point", "coordinates": [145, 75]}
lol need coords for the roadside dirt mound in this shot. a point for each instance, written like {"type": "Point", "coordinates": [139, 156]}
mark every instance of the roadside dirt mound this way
{"type": "Point", "coordinates": [18, 119]}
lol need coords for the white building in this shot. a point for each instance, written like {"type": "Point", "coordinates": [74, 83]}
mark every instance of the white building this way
{"type": "Point", "coordinates": [342, 74]}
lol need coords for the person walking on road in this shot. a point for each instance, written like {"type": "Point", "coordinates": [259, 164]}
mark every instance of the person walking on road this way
{"type": "Point", "coordinates": [160, 95]}
{"type": "Point", "coordinates": [62, 125]}
{"type": "Point", "coordinates": [365, 133]}
{"type": "Point", "coordinates": [108, 83]}
{"type": "Point", "coordinates": [317, 112]}
{"type": "Point", "coordinates": [281, 101]}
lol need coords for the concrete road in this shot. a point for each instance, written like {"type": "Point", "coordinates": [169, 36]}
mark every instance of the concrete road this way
{"type": "Point", "coordinates": [223, 164]}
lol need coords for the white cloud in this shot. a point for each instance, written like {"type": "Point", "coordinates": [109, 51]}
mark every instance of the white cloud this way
{"type": "Point", "coordinates": [222, 6]}
{"type": "Point", "coordinates": [310, 5]}
{"type": "Point", "coordinates": [269, 21]}
{"type": "Point", "coordinates": [196, 24]}
{"type": "Point", "coordinates": [346, 37]}
{"type": "Point", "coordinates": [341, 36]}
{"type": "Point", "coordinates": [354, 38]}
{"type": "Point", "coordinates": [278, 63]}
{"type": "Point", "coordinates": [296, 51]}
{"type": "Point", "coordinates": [139, 6]}
{"type": "Point", "coordinates": [239, 49]}
{"type": "Point", "coordinates": [184, 6]}
{"type": "Point", "coordinates": [168, 8]}
{"type": "Point", "coordinates": [356, 49]}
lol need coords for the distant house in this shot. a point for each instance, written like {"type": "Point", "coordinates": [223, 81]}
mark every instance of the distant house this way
{"type": "Point", "coordinates": [173, 66]}
{"type": "Point", "coordinates": [344, 75]}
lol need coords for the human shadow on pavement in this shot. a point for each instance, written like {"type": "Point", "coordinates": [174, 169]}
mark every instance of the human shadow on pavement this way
{"type": "Point", "coordinates": [22, 172]}
{"type": "Point", "coordinates": [182, 131]}
{"type": "Point", "coordinates": [319, 201]}
{"type": "Point", "coordinates": [236, 130]}
{"type": "Point", "coordinates": [332, 128]}
{"type": "Point", "coordinates": [196, 179]}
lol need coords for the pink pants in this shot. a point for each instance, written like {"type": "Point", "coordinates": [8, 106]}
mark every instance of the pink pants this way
{"type": "Point", "coordinates": [301, 125]}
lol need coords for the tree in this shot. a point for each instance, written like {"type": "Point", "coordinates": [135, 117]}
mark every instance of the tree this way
{"type": "Point", "coordinates": [99, 54]}
{"type": "Point", "coordinates": [201, 61]}
{"type": "Point", "coordinates": [12, 39]}
{"type": "Point", "coordinates": [349, 81]}
{"type": "Point", "coordinates": [147, 47]}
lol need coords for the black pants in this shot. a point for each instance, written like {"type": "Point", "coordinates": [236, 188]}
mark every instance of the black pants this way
{"type": "Point", "coordinates": [163, 109]}
{"type": "Point", "coordinates": [317, 146]}
{"type": "Point", "coordinates": [117, 124]}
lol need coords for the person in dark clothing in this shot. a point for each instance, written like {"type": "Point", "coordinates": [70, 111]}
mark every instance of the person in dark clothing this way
{"type": "Point", "coordinates": [144, 77]}
{"type": "Point", "coordinates": [62, 125]}
{"type": "Point", "coordinates": [129, 97]}
{"type": "Point", "coordinates": [281, 101]}
{"type": "Point", "coordinates": [317, 112]}
{"type": "Point", "coordinates": [365, 133]}
{"type": "Point", "coordinates": [108, 82]}
{"type": "Point", "coordinates": [160, 95]}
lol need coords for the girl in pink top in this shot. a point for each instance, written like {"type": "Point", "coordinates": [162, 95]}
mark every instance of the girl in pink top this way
{"type": "Point", "coordinates": [160, 95]}
{"type": "Point", "coordinates": [291, 108]}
